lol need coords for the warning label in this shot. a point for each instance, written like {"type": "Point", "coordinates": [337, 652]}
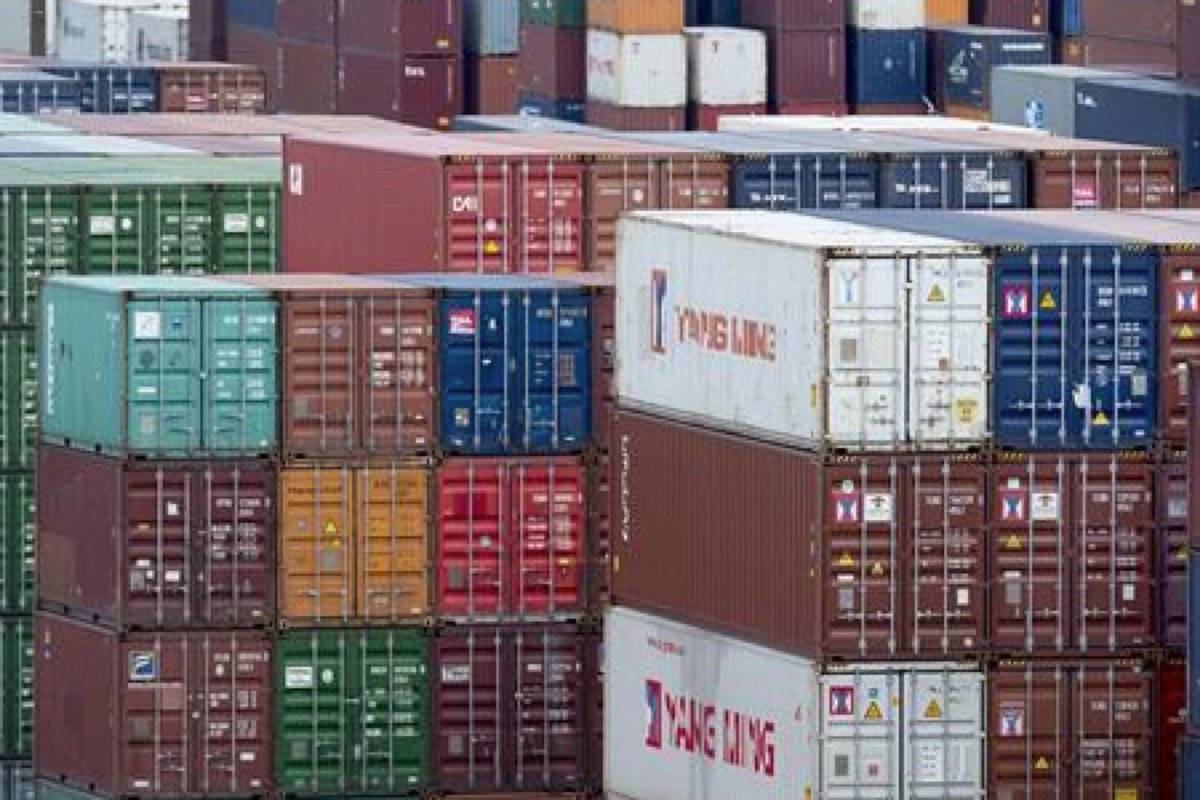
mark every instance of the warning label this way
{"type": "Point", "coordinates": [873, 711]}
{"type": "Point", "coordinates": [936, 295]}
{"type": "Point", "coordinates": [331, 528]}
{"type": "Point", "coordinates": [933, 710]}
{"type": "Point", "coordinates": [1047, 303]}
{"type": "Point", "coordinates": [1042, 763]}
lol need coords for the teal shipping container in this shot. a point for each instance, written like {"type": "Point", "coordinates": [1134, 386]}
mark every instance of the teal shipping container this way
{"type": "Point", "coordinates": [159, 366]}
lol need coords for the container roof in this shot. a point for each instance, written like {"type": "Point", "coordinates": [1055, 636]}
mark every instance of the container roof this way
{"type": "Point", "coordinates": [984, 228]}
{"type": "Point", "coordinates": [153, 284]}
{"type": "Point", "coordinates": [479, 283]}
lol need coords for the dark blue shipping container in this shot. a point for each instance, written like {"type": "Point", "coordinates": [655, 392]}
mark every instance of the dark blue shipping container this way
{"type": "Point", "coordinates": [36, 92]}
{"type": "Point", "coordinates": [514, 356]}
{"type": "Point", "coordinates": [1189, 765]}
{"type": "Point", "coordinates": [536, 105]}
{"type": "Point", "coordinates": [1144, 111]}
{"type": "Point", "coordinates": [962, 59]}
{"type": "Point", "coordinates": [107, 89]}
{"type": "Point", "coordinates": [712, 12]}
{"type": "Point", "coordinates": [886, 67]}
{"type": "Point", "coordinates": [261, 14]}
{"type": "Point", "coordinates": [1066, 17]}
{"type": "Point", "coordinates": [1194, 648]}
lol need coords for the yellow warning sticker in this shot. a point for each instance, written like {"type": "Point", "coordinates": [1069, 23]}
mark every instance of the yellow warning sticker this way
{"type": "Point", "coordinates": [1181, 554]}
{"type": "Point", "coordinates": [1047, 302]}
{"type": "Point", "coordinates": [331, 528]}
{"type": "Point", "coordinates": [1186, 332]}
{"type": "Point", "coordinates": [490, 247]}
{"type": "Point", "coordinates": [873, 711]}
{"type": "Point", "coordinates": [936, 295]}
{"type": "Point", "coordinates": [933, 710]}
{"type": "Point", "coordinates": [1042, 763]}
{"type": "Point", "coordinates": [1100, 418]}
{"type": "Point", "coordinates": [877, 569]}
{"type": "Point", "coordinates": [1125, 794]}
{"type": "Point", "coordinates": [965, 407]}
{"type": "Point", "coordinates": [1013, 542]}
{"type": "Point", "coordinates": [846, 560]}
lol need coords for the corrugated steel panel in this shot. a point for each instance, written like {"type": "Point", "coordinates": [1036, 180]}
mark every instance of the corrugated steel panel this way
{"type": "Point", "coordinates": [963, 60]}
{"type": "Point", "coordinates": [887, 67]}
{"type": "Point", "coordinates": [1172, 523]}
{"type": "Point", "coordinates": [636, 16]}
{"type": "Point", "coordinates": [18, 507]}
{"type": "Point", "coordinates": [16, 688]}
{"type": "Point", "coordinates": [18, 398]}
{"type": "Point", "coordinates": [491, 26]}
{"type": "Point", "coordinates": [1170, 724]}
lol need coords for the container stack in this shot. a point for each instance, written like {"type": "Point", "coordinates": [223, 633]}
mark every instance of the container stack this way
{"type": "Point", "coordinates": [637, 65]}
{"type": "Point", "coordinates": [552, 79]}
{"type": "Point", "coordinates": [1024, 15]}
{"type": "Point", "coordinates": [963, 59]}
{"type": "Point", "coordinates": [726, 73]}
{"type": "Point", "coordinates": [491, 41]}
{"type": "Point", "coordinates": [894, 470]}
{"type": "Point", "coordinates": [886, 56]}
{"type": "Point", "coordinates": [1108, 32]}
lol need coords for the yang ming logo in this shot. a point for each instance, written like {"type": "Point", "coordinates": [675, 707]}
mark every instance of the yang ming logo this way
{"type": "Point", "coordinates": [654, 708]}
{"type": "Point", "coordinates": [658, 311]}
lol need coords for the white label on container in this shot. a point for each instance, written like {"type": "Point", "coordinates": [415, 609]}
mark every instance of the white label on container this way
{"type": "Point", "coordinates": [247, 755]}
{"type": "Point", "coordinates": [1129, 592]}
{"type": "Point", "coordinates": [172, 508]}
{"type": "Point", "coordinates": [298, 677]}
{"type": "Point", "coordinates": [296, 179]}
{"type": "Point", "coordinates": [147, 325]}
{"type": "Point", "coordinates": [877, 507]}
{"type": "Point", "coordinates": [102, 226]}
{"type": "Point", "coordinates": [173, 576]}
{"type": "Point", "coordinates": [963, 597]}
{"type": "Point", "coordinates": [456, 673]}
{"type": "Point", "coordinates": [237, 223]}
{"type": "Point", "coordinates": [143, 667]}
{"type": "Point", "coordinates": [931, 762]}
{"type": "Point", "coordinates": [1045, 506]}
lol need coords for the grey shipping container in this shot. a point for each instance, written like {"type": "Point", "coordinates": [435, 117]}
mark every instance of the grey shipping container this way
{"type": "Point", "coordinates": [492, 27]}
{"type": "Point", "coordinates": [1040, 97]}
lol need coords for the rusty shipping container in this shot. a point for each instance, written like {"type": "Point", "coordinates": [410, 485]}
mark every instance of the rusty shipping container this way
{"type": "Point", "coordinates": [208, 88]}
{"type": "Point", "coordinates": [553, 61]}
{"type": "Point", "coordinates": [490, 84]}
{"type": "Point", "coordinates": [153, 715]}
{"type": "Point", "coordinates": [513, 708]}
{"type": "Point", "coordinates": [414, 89]}
{"type": "Point", "coordinates": [353, 544]}
{"type": "Point", "coordinates": [1070, 729]}
{"type": "Point", "coordinates": [359, 365]}
{"type": "Point", "coordinates": [152, 545]}
{"type": "Point", "coordinates": [511, 538]}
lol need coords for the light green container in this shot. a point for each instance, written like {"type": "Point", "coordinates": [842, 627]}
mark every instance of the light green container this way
{"type": "Point", "coordinates": [352, 712]}
{"type": "Point", "coordinates": [555, 13]}
{"type": "Point", "coordinates": [159, 366]}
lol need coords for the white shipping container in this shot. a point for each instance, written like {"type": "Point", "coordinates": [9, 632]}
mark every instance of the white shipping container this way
{"type": "Point", "coordinates": [886, 14]}
{"type": "Point", "coordinates": [159, 35]}
{"type": "Point", "coordinates": [16, 31]}
{"type": "Point", "coordinates": [643, 71]}
{"type": "Point", "coordinates": [726, 66]}
{"type": "Point", "coordinates": [902, 731]}
{"type": "Point", "coordinates": [100, 30]}
{"type": "Point", "coordinates": [693, 715]}
{"type": "Point", "coordinates": [883, 123]}
{"type": "Point", "coordinates": [803, 330]}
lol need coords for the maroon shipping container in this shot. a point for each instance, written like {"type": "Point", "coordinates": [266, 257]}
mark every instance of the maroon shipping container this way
{"type": "Point", "coordinates": [490, 84]}
{"type": "Point", "coordinates": [708, 118]}
{"type": "Point", "coordinates": [807, 70]}
{"type": "Point", "coordinates": [275, 126]}
{"type": "Point", "coordinates": [142, 545]}
{"type": "Point", "coordinates": [793, 14]}
{"type": "Point", "coordinates": [152, 715]}
{"type": "Point", "coordinates": [512, 707]}
{"type": "Point", "coordinates": [1144, 21]}
{"type": "Point", "coordinates": [600, 500]}
{"type": "Point", "coordinates": [511, 538]}
{"type": "Point", "coordinates": [1070, 729]}
{"type": "Point", "coordinates": [1114, 51]}
{"type": "Point", "coordinates": [1179, 333]}
{"type": "Point", "coordinates": [223, 145]}
{"type": "Point", "coordinates": [1170, 722]}
{"type": "Point", "coordinates": [1188, 32]}
{"type": "Point", "coordinates": [636, 118]}
{"type": "Point", "coordinates": [602, 287]}
{"type": "Point", "coordinates": [425, 203]}
{"type": "Point", "coordinates": [206, 87]}
{"type": "Point", "coordinates": [206, 30]}
{"type": "Point", "coordinates": [417, 90]}
{"type": "Point", "coordinates": [1172, 551]}
{"type": "Point", "coordinates": [409, 27]}
{"type": "Point", "coordinates": [307, 77]}
{"type": "Point", "coordinates": [1025, 15]}
{"type": "Point", "coordinates": [313, 21]}
{"type": "Point", "coordinates": [245, 45]}
{"type": "Point", "coordinates": [553, 61]}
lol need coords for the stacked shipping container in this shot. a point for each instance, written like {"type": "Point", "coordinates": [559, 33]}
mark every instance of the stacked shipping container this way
{"type": "Point", "coordinates": [806, 53]}
{"type": "Point", "coordinates": [552, 78]}
{"type": "Point", "coordinates": [492, 43]}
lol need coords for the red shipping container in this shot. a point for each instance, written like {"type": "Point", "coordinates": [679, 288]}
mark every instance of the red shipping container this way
{"type": "Point", "coordinates": [417, 90]}
{"type": "Point", "coordinates": [708, 118]}
{"type": "Point", "coordinates": [1070, 729]}
{"type": "Point", "coordinates": [511, 538]}
{"type": "Point", "coordinates": [430, 203]}
{"type": "Point", "coordinates": [261, 48]}
{"type": "Point", "coordinates": [807, 70]}
{"type": "Point", "coordinates": [513, 707]}
{"type": "Point", "coordinates": [1024, 15]}
{"type": "Point", "coordinates": [221, 88]}
{"type": "Point", "coordinates": [410, 27]}
{"type": "Point", "coordinates": [636, 118]}
{"type": "Point", "coordinates": [1116, 51]}
{"type": "Point", "coordinates": [1179, 334]}
{"type": "Point", "coordinates": [553, 61]}
{"type": "Point", "coordinates": [1188, 27]}
{"type": "Point", "coordinates": [307, 78]}
{"type": "Point", "coordinates": [313, 21]}
{"type": "Point", "coordinates": [1172, 551]}
{"type": "Point", "coordinates": [793, 14]}
{"type": "Point", "coordinates": [1170, 722]}
{"type": "Point", "coordinates": [207, 24]}
{"type": "Point", "coordinates": [153, 715]}
{"type": "Point", "coordinates": [490, 84]}
{"type": "Point", "coordinates": [142, 545]}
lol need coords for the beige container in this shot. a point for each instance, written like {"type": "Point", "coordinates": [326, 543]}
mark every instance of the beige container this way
{"type": "Point", "coordinates": [636, 16]}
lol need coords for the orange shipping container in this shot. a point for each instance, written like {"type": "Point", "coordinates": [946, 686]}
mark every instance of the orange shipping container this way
{"type": "Point", "coordinates": [636, 16]}
{"type": "Point", "coordinates": [945, 12]}
{"type": "Point", "coordinates": [353, 543]}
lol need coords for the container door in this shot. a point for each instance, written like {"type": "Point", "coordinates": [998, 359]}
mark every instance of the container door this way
{"type": "Point", "coordinates": [1031, 555]}
{"type": "Point", "coordinates": [164, 375]}
{"type": "Point", "coordinates": [316, 564]}
{"type": "Point", "coordinates": [948, 555]}
{"type": "Point", "coordinates": [861, 735]}
{"type": "Point", "coordinates": [1114, 533]}
{"type": "Point", "coordinates": [391, 735]}
{"type": "Point", "coordinates": [472, 536]}
{"type": "Point", "coordinates": [916, 182]}
{"type": "Point", "coordinates": [322, 375]}
{"type": "Point", "coordinates": [617, 186]}
{"type": "Point", "coordinates": [181, 228]}
{"type": "Point", "coordinates": [779, 183]}
{"type": "Point", "coordinates": [232, 709]}
{"type": "Point", "coordinates": [46, 242]}
{"type": "Point", "coordinates": [313, 724]}
{"type": "Point", "coordinates": [1179, 301]}
{"type": "Point", "coordinates": [863, 551]}
{"type": "Point", "coordinates": [1113, 732]}
{"type": "Point", "coordinates": [114, 232]}
{"type": "Point", "coordinates": [549, 523]}
{"type": "Point", "coordinates": [16, 688]}
{"type": "Point", "coordinates": [944, 735]}
{"type": "Point", "coordinates": [694, 183]}
{"type": "Point", "coordinates": [1170, 723]}
{"type": "Point", "coordinates": [1172, 548]}
{"type": "Point", "coordinates": [247, 229]}
{"type": "Point", "coordinates": [241, 390]}
{"type": "Point", "coordinates": [18, 399]}
{"type": "Point", "coordinates": [236, 546]}
{"type": "Point", "coordinates": [548, 722]}
{"type": "Point", "coordinates": [471, 709]}
{"type": "Point", "coordinates": [1033, 401]}
{"type": "Point", "coordinates": [551, 404]}
{"type": "Point", "coordinates": [1115, 349]}
{"type": "Point", "coordinates": [157, 681]}
{"type": "Point", "coordinates": [1029, 740]}
{"type": "Point", "coordinates": [391, 526]}
{"type": "Point", "coordinates": [160, 570]}
{"type": "Point", "coordinates": [866, 352]}
{"type": "Point", "coordinates": [399, 359]}
{"type": "Point", "coordinates": [843, 182]}
{"type": "Point", "coordinates": [475, 399]}
{"type": "Point", "coordinates": [18, 505]}
{"type": "Point", "coordinates": [479, 217]}
{"type": "Point", "coordinates": [987, 182]}
{"type": "Point", "coordinates": [948, 357]}
{"type": "Point", "coordinates": [549, 194]}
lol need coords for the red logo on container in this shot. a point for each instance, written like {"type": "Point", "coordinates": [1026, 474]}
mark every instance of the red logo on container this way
{"type": "Point", "coordinates": [1014, 302]}
{"type": "Point", "coordinates": [1185, 299]}
{"type": "Point", "coordinates": [654, 704]}
{"type": "Point", "coordinates": [658, 311]}
{"type": "Point", "coordinates": [845, 506]}
{"type": "Point", "coordinates": [462, 322]}
{"type": "Point", "coordinates": [841, 701]}
{"type": "Point", "coordinates": [1012, 505]}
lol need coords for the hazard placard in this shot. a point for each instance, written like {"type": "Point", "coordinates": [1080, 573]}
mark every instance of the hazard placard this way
{"type": "Point", "coordinates": [331, 528]}
{"type": "Point", "coordinates": [1186, 332]}
{"type": "Point", "coordinates": [936, 295]}
{"type": "Point", "coordinates": [1042, 763]}
{"type": "Point", "coordinates": [1013, 542]}
{"type": "Point", "coordinates": [877, 569]}
{"type": "Point", "coordinates": [1100, 418]}
{"type": "Point", "coordinates": [933, 710]}
{"type": "Point", "coordinates": [1047, 303]}
{"type": "Point", "coordinates": [873, 711]}
{"type": "Point", "coordinates": [846, 560]}
{"type": "Point", "coordinates": [841, 701]}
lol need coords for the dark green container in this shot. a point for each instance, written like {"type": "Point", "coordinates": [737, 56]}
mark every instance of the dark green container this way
{"type": "Point", "coordinates": [44, 234]}
{"type": "Point", "coordinates": [555, 13]}
{"type": "Point", "coordinates": [247, 220]}
{"type": "Point", "coordinates": [17, 505]}
{"type": "Point", "coordinates": [18, 399]}
{"type": "Point", "coordinates": [352, 712]}
{"type": "Point", "coordinates": [16, 687]}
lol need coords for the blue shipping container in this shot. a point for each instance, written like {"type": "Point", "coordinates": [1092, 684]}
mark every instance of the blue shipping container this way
{"type": "Point", "coordinates": [261, 14]}
{"type": "Point", "coordinates": [514, 364]}
{"type": "Point", "coordinates": [106, 89]}
{"type": "Point", "coordinates": [1066, 17]}
{"type": "Point", "coordinates": [536, 105]}
{"type": "Point", "coordinates": [1189, 767]}
{"type": "Point", "coordinates": [36, 92]}
{"type": "Point", "coordinates": [1075, 348]}
{"type": "Point", "coordinates": [963, 58]}
{"type": "Point", "coordinates": [886, 67]}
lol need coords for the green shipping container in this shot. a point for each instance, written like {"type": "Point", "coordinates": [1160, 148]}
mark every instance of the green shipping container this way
{"type": "Point", "coordinates": [51, 790]}
{"type": "Point", "coordinates": [44, 235]}
{"type": "Point", "coordinates": [17, 504]}
{"type": "Point", "coordinates": [556, 13]}
{"type": "Point", "coordinates": [16, 687]}
{"type": "Point", "coordinates": [352, 712]}
{"type": "Point", "coordinates": [159, 366]}
{"type": "Point", "coordinates": [18, 399]}
{"type": "Point", "coordinates": [247, 219]}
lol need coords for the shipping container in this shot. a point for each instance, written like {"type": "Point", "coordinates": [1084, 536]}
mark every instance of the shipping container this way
{"type": "Point", "coordinates": [352, 712]}
{"type": "Point", "coordinates": [1193, 640]}
{"type": "Point", "coordinates": [1188, 65]}
{"type": "Point", "coordinates": [1170, 723]}
{"type": "Point", "coordinates": [682, 723]}
{"type": "Point", "coordinates": [636, 118]}
{"type": "Point", "coordinates": [16, 689]}
{"type": "Point", "coordinates": [1154, 22]}
{"type": "Point", "coordinates": [511, 538]}
{"type": "Point", "coordinates": [726, 66]}
{"type": "Point", "coordinates": [491, 27]}
{"type": "Point", "coordinates": [418, 90]}
{"type": "Point", "coordinates": [207, 25]}
{"type": "Point", "coordinates": [1189, 767]}
{"type": "Point", "coordinates": [636, 16]}
{"type": "Point", "coordinates": [99, 30]}
{"type": "Point", "coordinates": [1040, 97]}
{"type": "Point", "coordinates": [555, 13]}
{"type": "Point", "coordinates": [946, 12]}
{"type": "Point", "coordinates": [18, 505]}
{"type": "Point", "coordinates": [151, 545]}
{"type": "Point", "coordinates": [18, 399]}
{"type": "Point", "coordinates": [1172, 532]}
{"type": "Point", "coordinates": [916, 726]}
{"type": "Point", "coordinates": [224, 88]}
{"type": "Point", "coordinates": [1114, 51]}
{"type": "Point", "coordinates": [1025, 15]}
{"type": "Point", "coordinates": [308, 75]}
{"type": "Point", "coordinates": [512, 708]}
{"type": "Point", "coordinates": [111, 88]}
{"type": "Point", "coordinates": [490, 84]}
{"type": "Point", "coordinates": [187, 366]}
{"type": "Point", "coordinates": [851, 382]}
{"type": "Point", "coordinates": [25, 28]}
{"type": "Point", "coordinates": [885, 14]}
{"type": "Point", "coordinates": [792, 15]}
{"type": "Point", "coordinates": [401, 27]}
{"type": "Point", "coordinates": [807, 70]}
{"type": "Point", "coordinates": [964, 59]}
{"type": "Point", "coordinates": [536, 105]}
{"type": "Point", "coordinates": [354, 543]}
{"type": "Point", "coordinates": [637, 70]}
{"type": "Point", "coordinates": [708, 117]}
{"type": "Point", "coordinates": [153, 714]}
{"type": "Point", "coordinates": [1070, 728]}
{"type": "Point", "coordinates": [554, 62]}
{"type": "Point", "coordinates": [260, 47]}
{"type": "Point", "coordinates": [159, 34]}
{"type": "Point", "coordinates": [26, 91]}
{"type": "Point", "coordinates": [886, 68]}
